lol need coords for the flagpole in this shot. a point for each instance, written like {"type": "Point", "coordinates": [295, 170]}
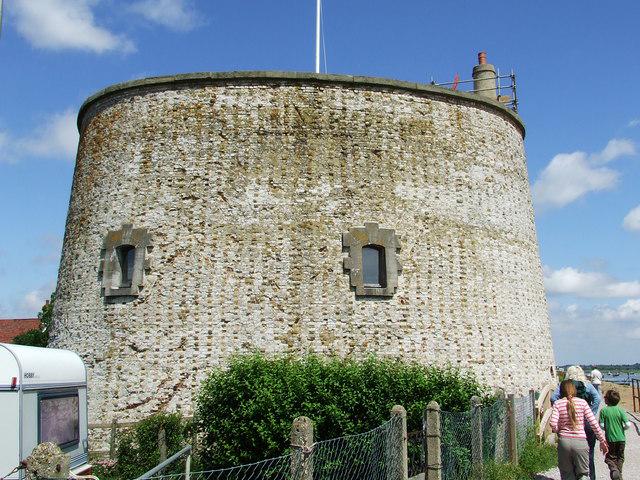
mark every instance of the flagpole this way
{"type": "Point", "coordinates": [318, 36]}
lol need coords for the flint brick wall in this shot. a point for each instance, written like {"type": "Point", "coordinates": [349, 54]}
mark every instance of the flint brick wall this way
{"type": "Point", "coordinates": [246, 186]}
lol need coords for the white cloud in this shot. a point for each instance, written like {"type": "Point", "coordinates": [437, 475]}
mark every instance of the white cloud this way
{"type": "Point", "coordinates": [632, 220]}
{"type": "Point", "coordinates": [570, 176]}
{"type": "Point", "coordinates": [65, 24]}
{"type": "Point", "coordinates": [617, 147]}
{"type": "Point", "coordinates": [595, 334]}
{"type": "Point", "coordinates": [173, 14]}
{"type": "Point", "coordinates": [629, 310]}
{"type": "Point", "coordinates": [31, 302]}
{"type": "Point", "coordinates": [56, 137]}
{"type": "Point", "coordinates": [571, 281]}
{"type": "Point", "coordinates": [634, 123]}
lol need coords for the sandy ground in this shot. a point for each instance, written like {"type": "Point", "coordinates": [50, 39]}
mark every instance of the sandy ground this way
{"type": "Point", "coordinates": [626, 400]}
{"type": "Point", "coordinates": [631, 469]}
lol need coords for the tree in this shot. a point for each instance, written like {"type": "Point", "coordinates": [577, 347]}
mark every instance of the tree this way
{"type": "Point", "coordinates": [38, 337]}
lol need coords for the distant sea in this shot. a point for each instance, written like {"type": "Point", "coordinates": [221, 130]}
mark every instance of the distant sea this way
{"type": "Point", "coordinates": [621, 379]}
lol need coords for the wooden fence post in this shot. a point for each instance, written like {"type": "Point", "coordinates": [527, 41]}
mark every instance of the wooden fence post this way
{"type": "Point", "coordinates": [477, 457]}
{"type": "Point", "coordinates": [400, 444]}
{"type": "Point", "coordinates": [162, 444]}
{"type": "Point", "coordinates": [302, 443]}
{"type": "Point", "coordinates": [112, 439]}
{"type": "Point", "coordinates": [432, 433]}
{"type": "Point", "coordinates": [513, 438]}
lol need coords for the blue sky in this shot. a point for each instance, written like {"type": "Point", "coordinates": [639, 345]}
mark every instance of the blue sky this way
{"type": "Point", "coordinates": [577, 67]}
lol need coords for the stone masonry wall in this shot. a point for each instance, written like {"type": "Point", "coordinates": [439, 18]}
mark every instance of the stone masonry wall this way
{"type": "Point", "coordinates": [246, 188]}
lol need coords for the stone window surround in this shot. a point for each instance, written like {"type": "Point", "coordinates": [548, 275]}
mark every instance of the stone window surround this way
{"type": "Point", "coordinates": [110, 268]}
{"type": "Point", "coordinates": [371, 235]}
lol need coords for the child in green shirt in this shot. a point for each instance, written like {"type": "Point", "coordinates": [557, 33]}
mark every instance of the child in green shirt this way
{"type": "Point", "coordinates": [614, 421]}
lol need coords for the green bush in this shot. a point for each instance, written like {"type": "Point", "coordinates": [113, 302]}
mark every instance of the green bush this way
{"type": "Point", "coordinates": [137, 449]}
{"type": "Point", "coordinates": [537, 457]}
{"type": "Point", "coordinates": [244, 413]}
{"type": "Point", "coordinates": [32, 338]}
{"type": "Point", "coordinates": [500, 471]}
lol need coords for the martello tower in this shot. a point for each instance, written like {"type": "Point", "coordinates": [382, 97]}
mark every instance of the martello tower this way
{"type": "Point", "coordinates": [288, 213]}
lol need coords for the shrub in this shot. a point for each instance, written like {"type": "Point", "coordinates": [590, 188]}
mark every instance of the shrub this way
{"type": "Point", "coordinates": [245, 413]}
{"type": "Point", "coordinates": [500, 471]}
{"type": "Point", "coordinates": [32, 338]}
{"type": "Point", "coordinates": [536, 456]}
{"type": "Point", "coordinates": [138, 451]}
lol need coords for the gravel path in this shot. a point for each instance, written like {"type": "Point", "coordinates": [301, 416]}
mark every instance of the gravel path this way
{"type": "Point", "coordinates": [631, 468]}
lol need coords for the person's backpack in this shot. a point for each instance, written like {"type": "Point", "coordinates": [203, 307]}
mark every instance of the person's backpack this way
{"type": "Point", "coordinates": [581, 392]}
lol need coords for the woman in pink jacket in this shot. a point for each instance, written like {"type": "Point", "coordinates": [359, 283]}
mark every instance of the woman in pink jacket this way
{"type": "Point", "coordinates": [567, 420]}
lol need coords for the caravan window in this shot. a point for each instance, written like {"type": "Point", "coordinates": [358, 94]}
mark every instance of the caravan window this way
{"type": "Point", "coordinates": [59, 418]}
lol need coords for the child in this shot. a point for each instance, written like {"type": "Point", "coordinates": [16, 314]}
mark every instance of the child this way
{"type": "Point", "coordinates": [614, 421]}
{"type": "Point", "coordinates": [569, 416]}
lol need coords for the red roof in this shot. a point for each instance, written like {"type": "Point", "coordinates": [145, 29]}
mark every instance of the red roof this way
{"type": "Point", "coordinates": [11, 327]}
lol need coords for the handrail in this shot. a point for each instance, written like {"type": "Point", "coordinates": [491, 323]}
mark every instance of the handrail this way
{"type": "Point", "coordinates": [546, 391]}
{"type": "Point", "coordinates": [543, 423]}
{"type": "Point", "coordinates": [635, 393]}
{"type": "Point", "coordinates": [543, 408]}
{"type": "Point", "coordinates": [167, 462]}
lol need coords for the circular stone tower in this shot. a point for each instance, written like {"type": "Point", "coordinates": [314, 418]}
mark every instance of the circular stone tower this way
{"type": "Point", "coordinates": [213, 214]}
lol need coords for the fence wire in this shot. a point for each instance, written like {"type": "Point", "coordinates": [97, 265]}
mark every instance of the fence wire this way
{"type": "Point", "coordinates": [456, 444]}
{"type": "Point", "coordinates": [372, 455]}
{"type": "Point", "coordinates": [495, 433]}
{"type": "Point", "coordinates": [460, 430]}
{"type": "Point", "coordinates": [416, 452]}
{"type": "Point", "coordinates": [524, 419]}
{"type": "Point", "coordinates": [376, 455]}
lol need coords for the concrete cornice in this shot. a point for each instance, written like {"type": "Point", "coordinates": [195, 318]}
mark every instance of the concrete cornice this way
{"type": "Point", "coordinates": [186, 80]}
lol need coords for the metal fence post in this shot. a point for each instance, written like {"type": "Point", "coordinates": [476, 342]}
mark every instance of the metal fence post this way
{"type": "Point", "coordinates": [112, 438]}
{"type": "Point", "coordinates": [302, 443]}
{"type": "Point", "coordinates": [532, 399]}
{"type": "Point", "coordinates": [477, 457]}
{"type": "Point", "coordinates": [187, 468]}
{"type": "Point", "coordinates": [513, 439]}
{"type": "Point", "coordinates": [399, 414]}
{"type": "Point", "coordinates": [433, 433]}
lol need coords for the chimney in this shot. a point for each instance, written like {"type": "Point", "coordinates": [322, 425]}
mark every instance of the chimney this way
{"type": "Point", "coordinates": [484, 77]}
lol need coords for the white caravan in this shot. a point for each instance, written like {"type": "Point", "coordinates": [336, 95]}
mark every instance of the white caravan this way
{"type": "Point", "coordinates": [43, 398]}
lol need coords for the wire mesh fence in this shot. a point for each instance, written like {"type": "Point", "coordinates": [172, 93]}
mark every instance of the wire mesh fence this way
{"type": "Point", "coordinates": [372, 455]}
{"type": "Point", "coordinates": [480, 436]}
{"type": "Point", "coordinates": [416, 452]}
{"type": "Point", "coordinates": [494, 432]}
{"type": "Point", "coordinates": [524, 419]}
{"type": "Point", "coordinates": [456, 444]}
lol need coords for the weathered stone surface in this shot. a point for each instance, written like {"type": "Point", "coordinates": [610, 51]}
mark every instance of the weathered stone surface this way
{"type": "Point", "coordinates": [47, 461]}
{"type": "Point", "coordinates": [247, 186]}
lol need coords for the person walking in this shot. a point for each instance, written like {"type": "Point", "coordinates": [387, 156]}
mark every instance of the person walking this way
{"type": "Point", "coordinates": [596, 378]}
{"type": "Point", "coordinates": [587, 392]}
{"type": "Point", "coordinates": [614, 421]}
{"type": "Point", "coordinates": [569, 416]}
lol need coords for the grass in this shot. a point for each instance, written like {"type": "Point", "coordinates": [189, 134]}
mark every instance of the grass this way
{"type": "Point", "coordinates": [535, 457]}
